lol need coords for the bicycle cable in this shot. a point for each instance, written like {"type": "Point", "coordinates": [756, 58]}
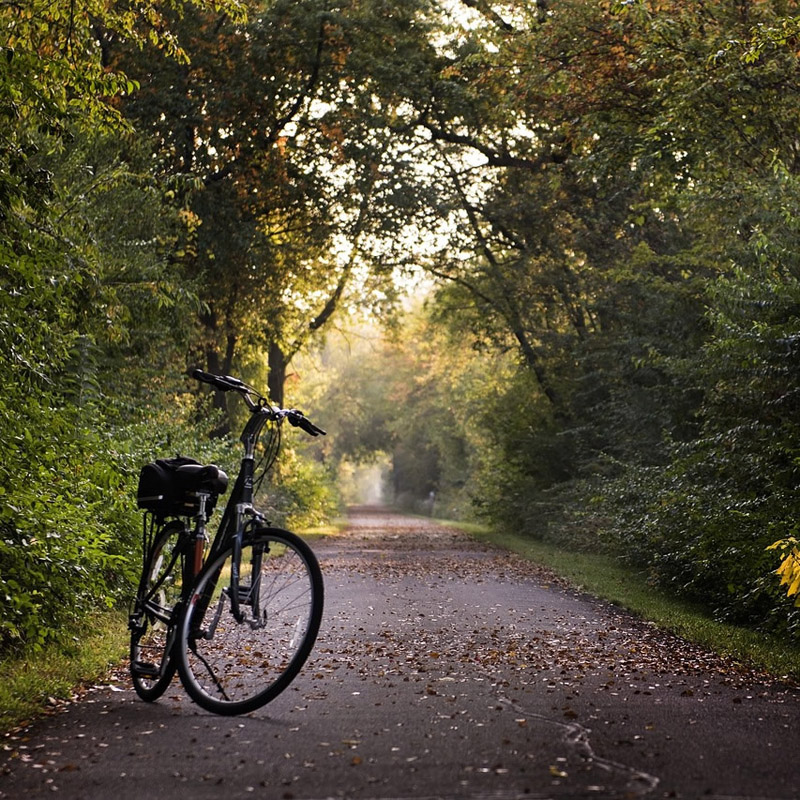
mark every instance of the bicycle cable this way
{"type": "Point", "coordinates": [270, 454]}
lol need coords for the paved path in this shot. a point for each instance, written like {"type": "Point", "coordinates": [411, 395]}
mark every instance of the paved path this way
{"type": "Point", "coordinates": [444, 670]}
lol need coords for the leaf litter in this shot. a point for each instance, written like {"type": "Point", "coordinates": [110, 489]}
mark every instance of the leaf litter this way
{"type": "Point", "coordinates": [443, 627]}
{"type": "Point", "coordinates": [395, 553]}
{"type": "Point", "coordinates": [419, 630]}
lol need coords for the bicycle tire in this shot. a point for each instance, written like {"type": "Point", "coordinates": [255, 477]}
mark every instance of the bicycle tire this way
{"type": "Point", "coordinates": [154, 616]}
{"type": "Point", "coordinates": [234, 667]}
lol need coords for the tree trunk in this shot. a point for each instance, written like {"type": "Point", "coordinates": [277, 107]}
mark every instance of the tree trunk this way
{"type": "Point", "coordinates": [278, 362]}
{"type": "Point", "coordinates": [221, 366]}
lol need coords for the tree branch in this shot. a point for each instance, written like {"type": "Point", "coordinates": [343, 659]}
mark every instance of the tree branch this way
{"type": "Point", "coordinates": [482, 7]}
{"type": "Point", "coordinates": [493, 157]}
{"type": "Point", "coordinates": [508, 309]}
{"type": "Point", "coordinates": [272, 135]}
{"type": "Point", "coordinates": [283, 121]}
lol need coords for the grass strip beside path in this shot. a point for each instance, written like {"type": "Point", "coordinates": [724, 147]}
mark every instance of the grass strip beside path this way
{"type": "Point", "coordinates": [33, 683]}
{"type": "Point", "coordinates": [605, 577]}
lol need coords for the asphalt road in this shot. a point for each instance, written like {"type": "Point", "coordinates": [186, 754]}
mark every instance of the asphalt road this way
{"type": "Point", "coordinates": [444, 670]}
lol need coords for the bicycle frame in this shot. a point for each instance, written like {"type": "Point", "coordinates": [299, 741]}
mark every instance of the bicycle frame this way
{"type": "Point", "coordinates": [240, 503]}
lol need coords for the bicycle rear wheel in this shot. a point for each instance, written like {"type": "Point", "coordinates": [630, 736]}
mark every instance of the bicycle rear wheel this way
{"type": "Point", "coordinates": [153, 618]}
{"type": "Point", "coordinates": [233, 667]}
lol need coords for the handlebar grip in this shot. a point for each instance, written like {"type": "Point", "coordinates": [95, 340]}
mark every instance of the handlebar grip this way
{"type": "Point", "coordinates": [299, 420]}
{"type": "Point", "coordinates": [222, 382]}
{"type": "Point", "coordinates": [315, 430]}
{"type": "Point", "coordinates": [309, 427]}
{"type": "Point", "coordinates": [204, 377]}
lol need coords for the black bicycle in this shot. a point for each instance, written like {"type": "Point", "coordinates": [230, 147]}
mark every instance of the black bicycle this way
{"type": "Point", "coordinates": [237, 619]}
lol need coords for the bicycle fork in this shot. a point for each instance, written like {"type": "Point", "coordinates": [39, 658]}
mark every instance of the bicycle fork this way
{"type": "Point", "coordinates": [248, 594]}
{"type": "Point", "coordinates": [238, 594]}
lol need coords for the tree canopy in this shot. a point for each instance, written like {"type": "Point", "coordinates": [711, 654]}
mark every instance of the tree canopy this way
{"type": "Point", "coordinates": [603, 199]}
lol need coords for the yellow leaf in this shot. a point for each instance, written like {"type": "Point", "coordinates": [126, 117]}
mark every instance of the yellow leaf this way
{"type": "Point", "coordinates": [789, 572]}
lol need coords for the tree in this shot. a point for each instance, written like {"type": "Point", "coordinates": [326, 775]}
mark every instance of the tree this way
{"type": "Point", "coordinates": [286, 160]}
{"type": "Point", "coordinates": [598, 175]}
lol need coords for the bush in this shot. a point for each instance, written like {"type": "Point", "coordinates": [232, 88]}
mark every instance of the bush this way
{"type": "Point", "coordinates": [65, 527]}
{"type": "Point", "coordinates": [300, 493]}
{"type": "Point", "coordinates": [702, 523]}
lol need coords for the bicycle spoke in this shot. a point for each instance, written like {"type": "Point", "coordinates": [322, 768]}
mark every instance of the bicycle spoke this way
{"type": "Point", "coordinates": [212, 675]}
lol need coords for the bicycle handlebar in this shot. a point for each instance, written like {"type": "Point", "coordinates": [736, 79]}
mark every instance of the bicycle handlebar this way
{"type": "Point", "coordinates": [226, 383]}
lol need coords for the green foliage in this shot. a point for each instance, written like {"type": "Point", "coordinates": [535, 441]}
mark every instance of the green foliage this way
{"type": "Point", "coordinates": [54, 76]}
{"type": "Point", "coordinates": [76, 261]}
{"type": "Point", "coordinates": [63, 532]}
{"type": "Point", "coordinates": [301, 494]}
{"type": "Point", "coordinates": [62, 504]}
{"type": "Point", "coordinates": [708, 517]}
{"type": "Point", "coordinates": [620, 233]}
{"type": "Point", "coordinates": [279, 155]}
{"type": "Point", "coordinates": [415, 402]}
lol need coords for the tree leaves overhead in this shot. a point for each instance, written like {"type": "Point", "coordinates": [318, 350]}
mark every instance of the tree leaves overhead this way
{"type": "Point", "coordinates": [609, 191]}
{"type": "Point", "coordinates": [281, 145]}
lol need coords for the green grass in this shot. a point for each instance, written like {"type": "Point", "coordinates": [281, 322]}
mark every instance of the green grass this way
{"type": "Point", "coordinates": [333, 528]}
{"type": "Point", "coordinates": [30, 684]}
{"type": "Point", "coordinates": [605, 577]}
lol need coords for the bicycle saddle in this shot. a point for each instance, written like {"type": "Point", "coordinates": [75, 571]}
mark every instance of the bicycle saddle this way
{"type": "Point", "coordinates": [209, 479]}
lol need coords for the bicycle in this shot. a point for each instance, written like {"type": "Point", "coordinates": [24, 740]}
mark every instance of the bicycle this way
{"type": "Point", "coordinates": [236, 618]}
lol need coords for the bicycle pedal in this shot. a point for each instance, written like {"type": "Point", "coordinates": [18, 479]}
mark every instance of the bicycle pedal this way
{"type": "Point", "coordinates": [135, 625]}
{"type": "Point", "coordinates": [143, 670]}
{"type": "Point", "coordinates": [243, 594]}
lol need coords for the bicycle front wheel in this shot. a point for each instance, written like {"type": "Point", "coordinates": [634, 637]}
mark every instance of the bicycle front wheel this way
{"type": "Point", "coordinates": [233, 665]}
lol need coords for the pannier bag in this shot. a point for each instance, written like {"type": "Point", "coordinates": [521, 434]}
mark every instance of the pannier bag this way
{"type": "Point", "coordinates": [168, 486]}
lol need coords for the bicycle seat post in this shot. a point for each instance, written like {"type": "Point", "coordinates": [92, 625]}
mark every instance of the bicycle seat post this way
{"type": "Point", "coordinates": [200, 536]}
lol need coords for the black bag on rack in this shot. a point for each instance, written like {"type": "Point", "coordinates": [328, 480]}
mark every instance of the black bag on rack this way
{"type": "Point", "coordinates": [161, 492]}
